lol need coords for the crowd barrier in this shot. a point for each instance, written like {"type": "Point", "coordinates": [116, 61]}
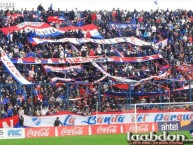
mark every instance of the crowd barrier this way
{"type": "Point", "coordinates": [61, 131]}
{"type": "Point", "coordinates": [36, 132]}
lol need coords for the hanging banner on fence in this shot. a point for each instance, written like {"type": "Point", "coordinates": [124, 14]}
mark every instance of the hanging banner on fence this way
{"type": "Point", "coordinates": [48, 68]}
{"type": "Point", "coordinates": [124, 80]}
{"type": "Point", "coordinates": [134, 59]}
{"type": "Point", "coordinates": [100, 119]}
{"type": "Point", "coordinates": [12, 69]}
{"type": "Point", "coordinates": [41, 29]}
{"type": "Point", "coordinates": [76, 60]}
{"type": "Point", "coordinates": [121, 26]}
{"type": "Point", "coordinates": [55, 19]}
{"type": "Point", "coordinates": [55, 79]}
{"type": "Point", "coordinates": [10, 122]}
{"type": "Point", "coordinates": [132, 40]}
{"type": "Point", "coordinates": [91, 28]}
{"type": "Point", "coordinates": [45, 30]}
{"type": "Point", "coordinates": [161, 44]}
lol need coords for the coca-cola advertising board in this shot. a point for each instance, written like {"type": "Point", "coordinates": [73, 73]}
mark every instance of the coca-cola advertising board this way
{"type": "Point", "coordinates": [141, 127]}
{"type": "Point", "coordinates": [72, 130]}
{"type": "Point", "coordinates": [108, 129]}
{"type": "Point", "coordinates": [39, 132]}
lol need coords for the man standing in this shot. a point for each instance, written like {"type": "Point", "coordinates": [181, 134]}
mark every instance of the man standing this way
{"type": "Point", "coordinates": [57, 122]}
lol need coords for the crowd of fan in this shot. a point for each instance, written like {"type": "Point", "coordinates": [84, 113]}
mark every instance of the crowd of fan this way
{"type": "Point", "coordinates": [46, 98]}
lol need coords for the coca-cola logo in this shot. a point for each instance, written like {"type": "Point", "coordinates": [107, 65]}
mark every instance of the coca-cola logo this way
{"type": "Point", "coordinates": [38, 133]}
{"type": "Point", "coordinates": [139, 128]}
{"type": "Point", "coordinates": [108, 129]}
{"type": "Point", "coordinates": [73, 131]}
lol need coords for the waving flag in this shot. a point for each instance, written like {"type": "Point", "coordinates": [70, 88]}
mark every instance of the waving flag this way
{"type": "Point", "coordinates": [14, 16]}
{"type": "Point", "coordinates": [156, 2]}
{"type": "Point", "coordinates": [118, 53]}
{"type": "Point", "coordinates": [73, 47]}
{"type": "Point", "coordinates": [42, 29]}
{"type": "Point", "coordinates": [55, 19]}
{"type": "Point", "coordinates": [161, 44]}
{"type": "Point", "coordinates": [93, 29]}
{"type": "Point", "coordinates": [61, 69]}
{"type": "Point", "coordinates": [12, 69]}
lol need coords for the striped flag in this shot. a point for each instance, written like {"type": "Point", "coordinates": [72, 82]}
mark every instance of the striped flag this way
{"type": "Point", "coordinates": [118, 53]}
{"type": "Point", "coordinates": [73, 47]}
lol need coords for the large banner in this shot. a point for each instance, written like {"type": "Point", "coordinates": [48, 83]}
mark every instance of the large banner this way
{"type": "Point", "coordinates": [12, 69]}
{"type": "Point", "coordinates": [93, 29]}
{"type": "Point", "coordinates": [121, 26]}
{"type": "Point", "coordinates": [132, 40]}
{"type": "Point", "coordinates": [9, 122]}
{"type": "Point", "coordinates": [102, 119]}
{"type": "Point", "coordinates": [45, 30]}
{"type": "Point", "coordinates": [48, 68]}
{"type": "Point", "coordinates": [41, 29]}
{"type": "Point", "coordinates": [78, 60]}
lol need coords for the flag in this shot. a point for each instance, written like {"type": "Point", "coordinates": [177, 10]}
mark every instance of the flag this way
{"type": "Point", "coordinates": [122, 86]}
{"type": "Point", "coordinates": [73, 47]}
{"type": "Point", "coordinates": [50, 8]}
{"type": "Point", "coordinates": [118, 53]}
{"type": "Point", "coordinates": [156, 2]}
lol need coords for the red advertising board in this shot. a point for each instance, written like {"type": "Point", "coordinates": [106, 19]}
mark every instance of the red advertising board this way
{"type": "Point", "coordinates": [141, 127]}
{"type": "Point", "coordinates": [72, 130]}
{"type": "Point", "coordinates": [108, 129]}
{"type": "Point", "coordinates": [39, 132]}
{"type": "Point", "coordinates": [89, 130]}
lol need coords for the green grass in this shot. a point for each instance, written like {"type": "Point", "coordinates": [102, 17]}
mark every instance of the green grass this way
{"type": "Point", "coordinates": [116, 139]}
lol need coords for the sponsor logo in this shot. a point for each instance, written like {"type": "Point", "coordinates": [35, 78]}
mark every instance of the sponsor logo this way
{"type": "Point", "coordinates": [153, 138]}
{"type": "Point", "coordinates": [108, 129]}
{"type": "Point", "coordinates": [1, 132]}
{"type": "Point", "coordinates": [36, 121]}
{"type": "Point", "coordinates": [15, 132]}
{"type": "Point", "coordinates": [140, 128]}
{"type": "Point", "coordinates": [38, 133]}
{"type": "Point", "coordinates": [73, 131]}
{"type": "Point", "coordinates": [169, 126]}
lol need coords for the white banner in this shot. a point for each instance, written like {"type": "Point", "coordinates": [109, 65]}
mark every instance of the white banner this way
{"type": "Point", "coordinates": [132, 40]}
{"type": "Point", "coordinates": [73, 120]}
{"type": "Point", "coordinates": [12, 69]}
{"type": "Point", "coordinates": [12, 133]}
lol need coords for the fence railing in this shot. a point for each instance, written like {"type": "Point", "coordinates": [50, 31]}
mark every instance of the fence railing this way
{"type": "Point", "coordinates": [93, 97]}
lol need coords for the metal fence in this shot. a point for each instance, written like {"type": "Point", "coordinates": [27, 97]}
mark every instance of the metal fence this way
{"type": "Point", "coordinates": [93, 97]}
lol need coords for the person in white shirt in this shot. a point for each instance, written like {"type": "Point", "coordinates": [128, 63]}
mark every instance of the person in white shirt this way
{"type": "Point", "coordinates": [99, 50]}
{"type": "Point", "coordinates": [21, 113]}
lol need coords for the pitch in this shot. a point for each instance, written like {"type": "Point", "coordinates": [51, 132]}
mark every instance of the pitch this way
{"type": "Point", "coordinates": [116, 139]}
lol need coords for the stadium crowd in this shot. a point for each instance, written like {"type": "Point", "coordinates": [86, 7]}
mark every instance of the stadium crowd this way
{"type": "Point", "coordinates": [85, 97]}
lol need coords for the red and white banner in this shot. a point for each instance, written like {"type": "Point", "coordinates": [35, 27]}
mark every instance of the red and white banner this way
{"type": "Point", "coordinates": [12, 69]}
{"type": "Point", "coordinates": [55, 79]}
{"type": "Point", "coordinates": [108, 129]}
{"type": "Point", "coordinates": [39, 132]}
{"type": "Point", "coordinates": [43, 29]}
{"type": "Point", "coordinates": [48, 68]}
{"type": "Point", "coordinates": [132, 40]}
{"type": "Point", "coordinates": [141, 127]}
{"type": "Point", "coordinates": [77, 60]}
{"type": "Point", "coordinates": [124, 80]}
{"type": "Point", "coordinates": [9, 122]}
{"type": "Point", "coordinates": [72, 130]}
{"type": "Point", "coordinates": [14, 16]}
